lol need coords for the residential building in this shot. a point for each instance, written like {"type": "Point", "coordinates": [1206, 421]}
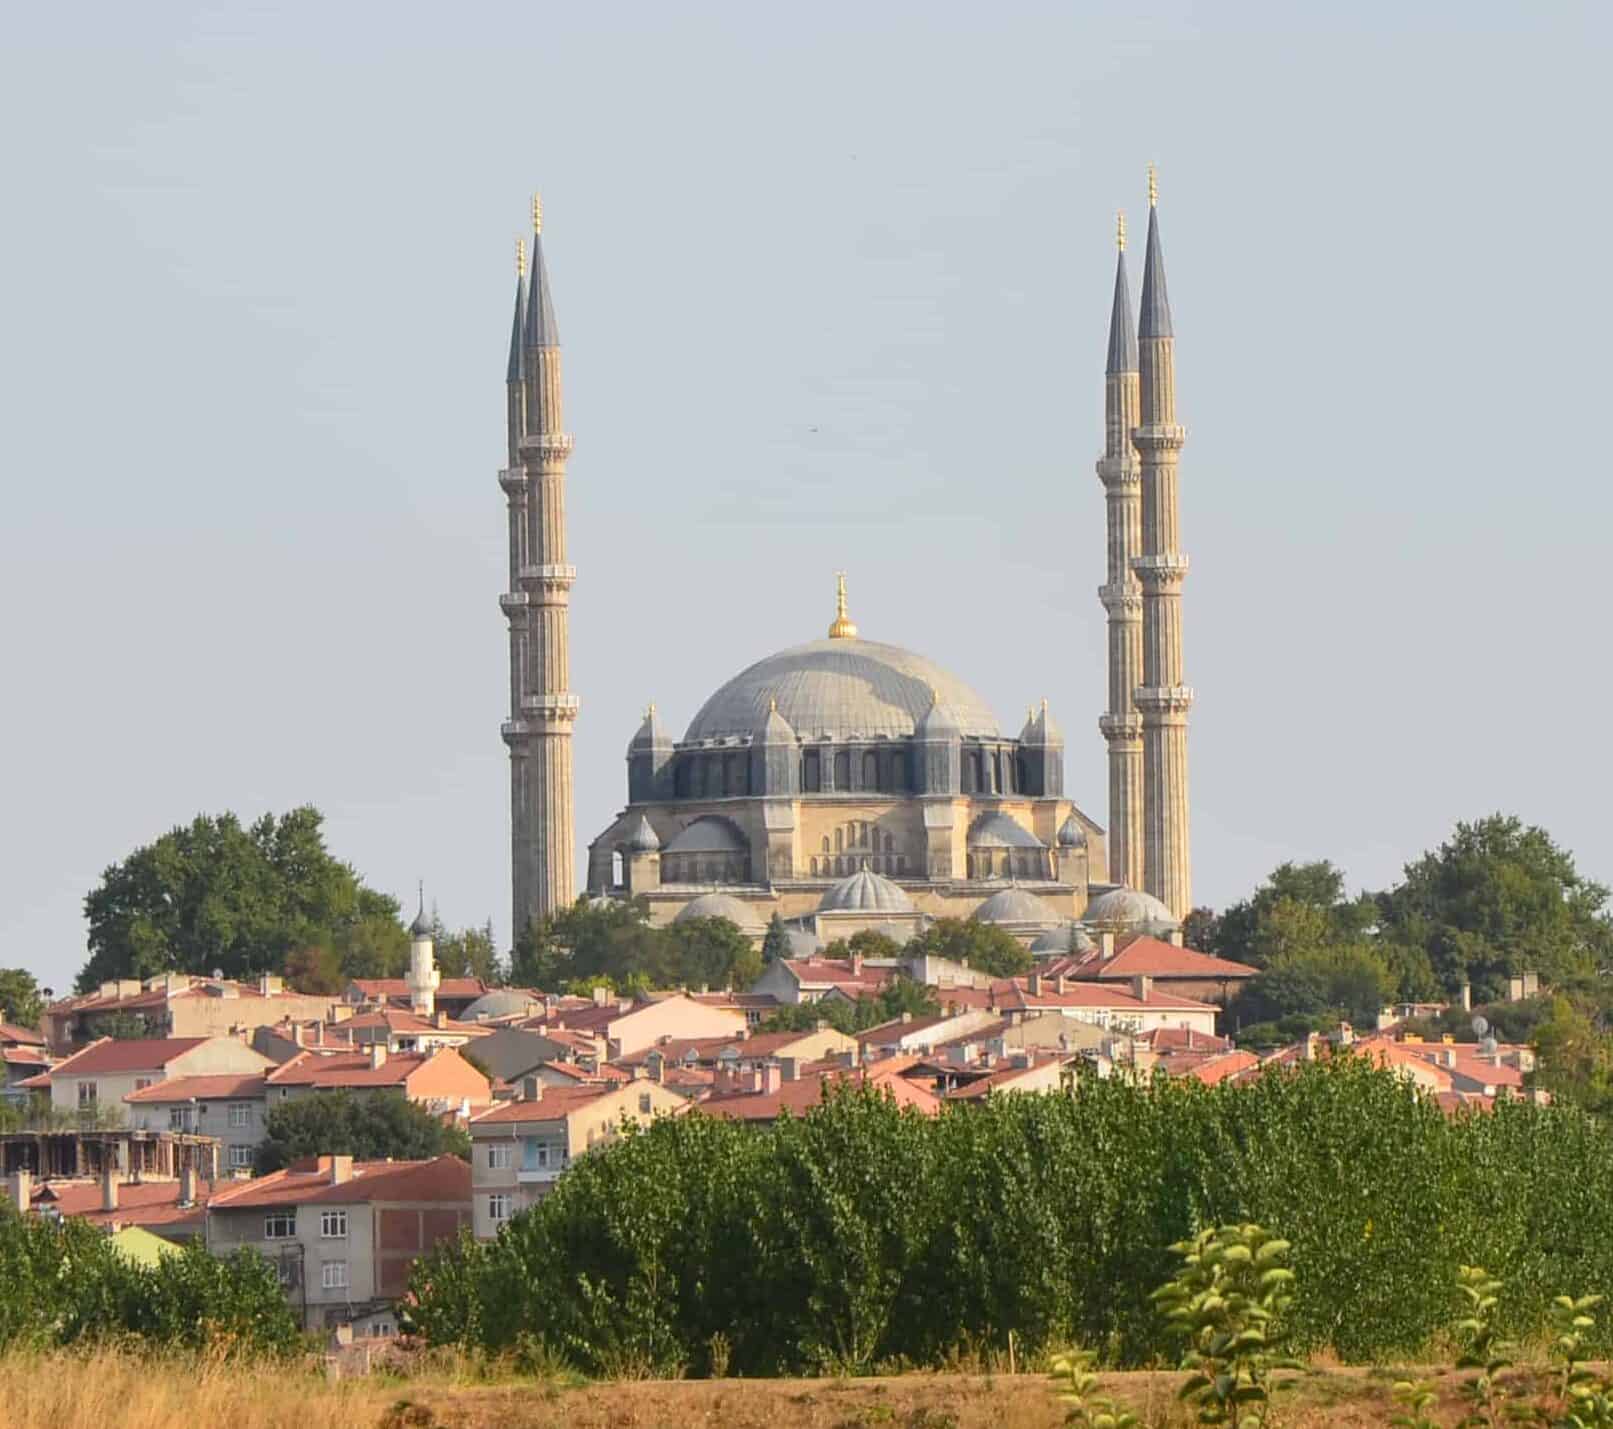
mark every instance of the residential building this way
{"type": "Point", "coordinates": [232, 1109]}
{"type": "Point", "coordinates": [1170, 968]}
{"type": "Point", "coordinates": [628, 1026]}
{"type": "Point", "coordinates": [520, 1148]}
{"type": "Point", "coordinates": [787, 1088]}
{"type": "Point", "coordinates": [23, 1064]}
{"type": "Point", "coordinates": [171, 1208]}
{"type": "Point", "coordinates": [104, 1073]}
{"type": "Point", "coordinates": [441, 1080]}
{"type": "Point", "coordinates": [452, 995]}
{"type": "Point", "coordinates": [343, 1234]}
{"type": "Point", "coordinates": [176, 1005]}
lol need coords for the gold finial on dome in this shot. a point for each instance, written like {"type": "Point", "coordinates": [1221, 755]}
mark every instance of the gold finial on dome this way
{"type": "Point", "coordinates": [520, 257]}
{"type": "Point", "coordinates": [843, 628]}
{"type": "Point", "coordinates": [1120, 230]}
{"type": "Point", "coordinates": [537, 213]}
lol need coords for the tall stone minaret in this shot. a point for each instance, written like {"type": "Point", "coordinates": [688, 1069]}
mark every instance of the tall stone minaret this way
{"type": "Point", "coordinates": [1121, 474]}
{"type": "Point", "coordinates": [543, 710]}
{"type": "Point", "coordinates": [1163, 699]}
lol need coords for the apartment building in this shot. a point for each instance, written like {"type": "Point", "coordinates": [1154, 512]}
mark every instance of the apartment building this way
{"type": "Point", "coordinates": [519, 1149]}
{"type": "Point", "coordinates": [344, 1235]}
{"type": "Point", "coordinates": [440, 1079]}
{"type": "Point", "coordinates": [231, 1108]}
{"type": "Point", "coordinates": [107, 1071]}
{"type": "Point", "coordinates": [177, 1005]}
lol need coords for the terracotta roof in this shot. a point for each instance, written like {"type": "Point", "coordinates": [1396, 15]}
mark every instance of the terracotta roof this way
{"type": "Point", "coordinates": [376, 988]}
{"type": "Point", "coordinates": [140, 1203]}
{"type": "Point", "coordinates": [1157, 958]}
{"type": "Point", "coordinates": [10, 1032]}
{"type": "Point", "coordinates": [133, 1054]}
{"type": "Point", "coordinates": [396, 1020]}
{"type": "Point", "coordinates": [1166, 1040]}
{"type": "Point", "coordinates": [39, 1082]}
{"type": "Point", "coordinates": [1012, 993]}
{"type": "Point", "coordinates": [896, 1028]}
{"type": "Point", "coordinates": [202, 1089]}
{"type": "Point", "coordinates": [678, 1049]}
{"type": "Point", "coordinates": [807, 1091]}
{"type": "Point", "coordinates": [1003, 1078]}
{"type": "Point", "coordinates": [556, 1102]}
{"type": "Point", "coordinates": [346, 1069]}
{"type": "Point", "coordinates": [838, 973]}
{"type": "Point", "coordinates": [446, 1178]}
{"type": "Point", "coordinates": [25, 1056]}
{"type": "Point", "coordinates": [1220, 1067]}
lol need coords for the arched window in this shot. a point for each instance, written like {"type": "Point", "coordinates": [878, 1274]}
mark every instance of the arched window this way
{"type": "Point", "coordinates": [618, 868]}
{"type": "Point", "coordinates": [839, 841]}
{"type": "Point", "coordinates": [811, 772]}
{"type": "Point", "coordinates": [997, 772]}
{"type": "Point", "coordinates": [971, 771]}
{"type": "Point", "coordinates": [1022, 776]}
{"type": "Point", "coordinates": [843, 769]}
{"type": "Point", "coordinates": [826, 843]}
{"type": "Point", "coordinates": [890, 843]}
{"type": "Point", "coordinates": [871, 771]}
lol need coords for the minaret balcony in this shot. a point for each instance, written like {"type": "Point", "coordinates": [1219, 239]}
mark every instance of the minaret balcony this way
{"type": "Point", "coordinates": [550, 707]}
{"type": "Point", "coordinates": [1160, 572]}
{"type": "Point", "coordinates": [1122, 600]}
{"type": "Point", "coordinates": [514, 731]}
{"type": "Point", "coordinates": [548, 577]}
{"type": "Point", "coordinates": [1118, 728]}
{"type": "Point", "coordinates": [1159, 436]}
{"type": "Point", "coordinates": [1164, 699]}
{"type": "Point", "coordinates": [513, 602]}
{"type": "Point", "coordinates": [547, 446]}
{"type": "Point", "coordinates": [513, 480]}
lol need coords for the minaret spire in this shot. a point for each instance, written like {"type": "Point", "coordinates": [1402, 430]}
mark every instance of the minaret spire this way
{"type": "Point", "coordinates": [543, 710]}
{"type": "Point", "coordinates": [1121, 474]}
{"type": "Point", "coordinates": [843, 628]}
{"type": "Point", "coordinates": [1163, 698]}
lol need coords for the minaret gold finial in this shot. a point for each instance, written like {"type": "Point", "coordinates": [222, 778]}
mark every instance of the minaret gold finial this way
{"type": "Point", "coordinates": [1153, 186]}
{"type": "Point", "coordinates": [520, 257]}
{"type": "Point", "coordinates": [1120, 230]}
{"type": "Point", "coordinates": [537, 213]}
{"type": "Point", "coordinates": [842, 629]}
{"type": "Point", "coordinates": [649, 711]}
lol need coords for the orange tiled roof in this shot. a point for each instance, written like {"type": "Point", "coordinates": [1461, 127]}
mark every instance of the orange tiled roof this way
{"type": "Point", "coordinates": [140, 1203]}
{"type": "Point", "coordinates": [346, 1069]}
{"type": "Point", "coordinates": [108, 1056]}
{"type": "Point", "coordinates": [1157, 958]}
{"type": "Point", "coordinates": [26, 1036]}
{"type": "Point", "coordinates": [202, 1089]}
{"type": "Point", "coordinates": [554, 1103]}
{"type": "Point", "coordinates": [308, 1182]}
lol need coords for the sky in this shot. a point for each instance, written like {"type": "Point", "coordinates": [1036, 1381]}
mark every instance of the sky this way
{"type": "Point", "coordinates": [832, 283]}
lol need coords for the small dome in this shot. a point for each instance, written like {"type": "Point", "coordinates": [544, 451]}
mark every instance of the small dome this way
{"type": "Point", "coordinates": [1067, 938]}
{"type": "Point", "coordinates": [1129, 908]}
{"type": "Point", "coordinates": [997, 830]}
{"type": "Point", "coordinates": [501, 1002]}
{"type": "Point", "coordinates": [865, 892]}
{"type": "Point", "coordinates": [1072, 834]}
{"type": "Point", "coordinates": [643, 839]}
{"type": "Point", "coordinates": [1015, 905]}
{"type": "Point", "coordinates": [721, 905]}
{"type": "Point", "coordinates": [421, 927]}
{"type": "Point", "coordinates": [708, 835]}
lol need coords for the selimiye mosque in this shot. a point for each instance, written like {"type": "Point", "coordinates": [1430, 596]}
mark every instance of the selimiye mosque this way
{"type": "Point", "coordinates": [848, 781]}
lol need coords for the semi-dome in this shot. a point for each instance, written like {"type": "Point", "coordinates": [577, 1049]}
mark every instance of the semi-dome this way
{"type": "Point", "coordinates": [842, 689]}
{"type": "Point", "coordinates": [997, 830]}
{"type": "Point", "coordinates": [708, 835]}
{"type": "Point", "coordinates": [1066, 938]}
{"type": "Point", "coordinates": [501, 1002]}
{"type": "Point", "coordinates": [1129, 908]}
{"type": "Point", "coordinates": [865, 892]}
{"type": "Point", "coordinates": [1015, 905]}
{"type": "Point", "coordinates": [721, 905]}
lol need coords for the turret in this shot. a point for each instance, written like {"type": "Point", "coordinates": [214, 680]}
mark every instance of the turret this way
{"type": "Point", "coordinates": [1041, 750]}
{"type": "Point", "coordinates": [937, 751]}
{"type": "Point", "coordinates": [423, 975]}
{"type": "Point", "coordinates": [775, 757]}
{"type": "Point", "coordinates": [649, 762]}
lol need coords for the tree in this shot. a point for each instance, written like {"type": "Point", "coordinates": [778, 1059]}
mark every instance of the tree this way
{"type": "Point", "coordinates": [369, 1126]}
{"type": "Point", "coordinates": [776, 944]}
{"type": "Point", "coordinates": [901, 994]}
{"type": "Point", "coordinates": [1300, 907]}
{"type": "Point", "coordinates": [215, 894]}
{"type": "Point", "coordinates": [467, 953]}
{"type": "Point", "coordinates": [315, 971]}
{"type": "Point", "coordinates": [982, 946]}
{"type": "Point", "coordinates": [20, 999]}
{"type": "Point", "coordinates": [1575, 1059]}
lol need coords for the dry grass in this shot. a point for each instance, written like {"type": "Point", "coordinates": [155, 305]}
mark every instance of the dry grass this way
{"type": "Point", "coordinates": [109, 1390]}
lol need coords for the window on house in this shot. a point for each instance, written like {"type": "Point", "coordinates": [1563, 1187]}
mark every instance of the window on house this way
{"type": "Point", "coordinates": [141, 1083]}
{"type": "Point", "coordinates": [280, 1226]}
{"type": "Point", "coordinates": [285, 1271]}
{"type": "Point", "coordinates": [333, 1225]}
{"type": "Point", "coordinates": [240, 1113]}
{"type": "Point", "coordinates": [176, 1118]}
{"type": "Point", "coordinates": [240, 1158]}
{"type": "Point", "coordinates": [333, 1275]}
{"type": "Point", "coordinates": [86, 1095]}
{"type": "Point", "coordinates": [644, 1102]}
{"type": "Point", "coordinates": [498, 1208]}
{"type": "Point", "coordinates": [498, 1156]}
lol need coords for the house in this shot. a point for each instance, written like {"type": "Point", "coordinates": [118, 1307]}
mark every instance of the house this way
{"type": "Point", "coordinates": [1138, 1006]}
{"type": "Point", "coordinates": [1020, 1071]}
{"type": "Point", "coordinates": [232, 1108]}
{"type": "Point", "coordinates": [105, 1072]}
{"type": "Point", "coordinates": [401, 1031]}
{"type": "Point", "coordinates": [520, 1148]}
{"type": "Point", "coordinates": [170, 1209]}
{"type": "Point", "coordinates": [511, 1052]}
{"type": "Point", "coordinates": [795, 980]}
{"type": "Point", "coordinates": [441, 1080]}
{"type": "Point", "coordinates": [176, 1005]}
{"type": "Point", "coordinates": [628, 1026]}
{"type": "Point", "coordinates": [1170, 968]}
{"type": "Point", "coordinates": [788, 1089]}
{"type": "Point", "coordinates": [919, 1034]}
{"type": "Point", "coordinates": [343, 1235]}
{"type": "Point", "coordinates": [452, 995]}
{"type": "Point", "coordinates": [23, 1064]}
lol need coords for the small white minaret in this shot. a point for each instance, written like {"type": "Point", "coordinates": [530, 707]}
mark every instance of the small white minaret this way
{"type": "Point", "coordinates": [423, 974]}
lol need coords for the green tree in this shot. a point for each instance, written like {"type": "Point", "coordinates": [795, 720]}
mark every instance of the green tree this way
{"type": "Point", "coordinates": [1575, 1059]}
{"type": "Point", "coordinates": [315, 971]}
{"type": "Point", "coordinates": [215, 894]}
{"type": "Point", "coordinates": [776, 944]}
{"type": "Point", "coordinates": [466, 953]}
{"type": "Point", "coordinates": [1499, 897]}
{"type": "Point", "coordinates": [901, 994]}
{"type": "Point", "coordinates": [20, 1000]}
{"type": "Point", "coordinates": [370, 1126]}
{"type": "Point", "coordinates": [982, 946]}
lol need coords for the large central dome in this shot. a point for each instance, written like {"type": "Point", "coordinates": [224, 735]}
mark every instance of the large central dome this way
{"type": "Point", "coordinates": [842, 689]}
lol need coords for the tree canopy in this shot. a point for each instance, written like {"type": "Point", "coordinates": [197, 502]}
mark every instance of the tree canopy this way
{"type": "Point", "coordinates": [901, 994]}
{"type": "Point", "coordinates": [369, 1126]}
{"type": "Point", "coordinates": [982, 946]}
{"type": "Point", "coordinates": [21, 1001]}
{"type": "Point", "coordinates": [242, 899]}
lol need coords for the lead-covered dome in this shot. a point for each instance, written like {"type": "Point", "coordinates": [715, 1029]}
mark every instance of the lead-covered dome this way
{"type": "Point", "coordinates": [721, 905]}
{"type": "Point", "coordinates": [1015, 905]}
{"type": "Point", "coordinates": [865, 892]}
{"type": "Point", "coordinates": [1129, 908]}
{"type": "Point", "coordinates": [842, 689]}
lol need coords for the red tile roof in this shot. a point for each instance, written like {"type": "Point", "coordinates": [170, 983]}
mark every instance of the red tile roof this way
{"type": "Point", "coordinates": [140, 1203]}
{"type": "Point", "coordinates": [202, 1089]}
{"type": "Point", "coordinates": [554, 1103]}
{"type": "Point", "coordinates": [109, 1056]}
{"type": "Point", "coordinates": [1002, 1079]}
{"type": "Point", "coordinates": [807, 1091]}
{"type": "Point", "coordinates": [306, 1182]}
{"type": "Point", "coordinates": [1157, 958]}
{"type": "Point", "coordinates": [377, 988]}
{"type": "Point", "coordinates": [26, 1036]}
{"type": "Point", "coordinates": [25, 1056]}
{"type": "Point", "coordinates": [1012, 993]}
{"type": "Point", "coordinates": [346, 1069]}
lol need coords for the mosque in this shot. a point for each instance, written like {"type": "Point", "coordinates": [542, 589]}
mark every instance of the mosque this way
{"type": "Point", "coordinates": [846, 782]}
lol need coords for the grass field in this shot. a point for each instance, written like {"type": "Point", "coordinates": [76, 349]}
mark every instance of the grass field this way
{"type": "Point", "coordinates": [107, 1390]}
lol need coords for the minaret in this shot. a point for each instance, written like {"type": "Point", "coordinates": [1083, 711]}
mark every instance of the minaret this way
{"type": "Point", "coordinates": [1121, 596]}
{"type": "Point", "coordinates": [1163, 699]}
{"type": "Point", "coordinates": [543, 709]}
{"type": "Point", "coordinates": [424, 977]}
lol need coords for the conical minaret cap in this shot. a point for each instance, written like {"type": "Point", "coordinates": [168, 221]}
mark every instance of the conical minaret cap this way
{"type": "Point", "coordinates": [1122, 334]}
{"type": "Point", "coordinates": [541, 328]}
{"type": "Point", "coordinates": [1156, 308]}
{"type": "Point", "coordinates": [517, 366]}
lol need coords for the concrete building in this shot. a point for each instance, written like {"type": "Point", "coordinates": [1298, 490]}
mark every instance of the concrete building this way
{"type": "Point", "coordinates": [232, 1109]}
{"type": "Point", "coordinates": [177, 1005]}
{"type": "Point", "coordinates": [440, 1080]}
{"type": "Point", "coordinates": [628, 1026]}
{"type": "Point", "coordinates": [107, 1071]}
{"type": "Point", "coordinates": [519, 1149]}
{"type": "Point", "coordinates": [344, 1234]}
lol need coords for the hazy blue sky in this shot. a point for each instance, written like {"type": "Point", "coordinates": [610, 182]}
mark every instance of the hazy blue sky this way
{"type": "Point", "coordinates": [832, 282]}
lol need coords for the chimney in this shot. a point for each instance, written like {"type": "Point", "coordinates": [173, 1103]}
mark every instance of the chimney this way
{"type": "Point", "coordinates": [296, 1034]}
{"type": "Point", "coordinates": [377, 1054]}
{"type": "Point", "coordinates": [907, 1017]}
{"type": "Point", "coordinates": [341, 1169]}
{"type": "Point", "coordinates": [270, 985]}
{"type": "Point", "coordinates": [1311, 1041]}
{"type": "Point", "coordinates": [655, 1065]}
{"type": "Point", "coordinates": [856, 964]}
{"type": "Point", "coordinates": [772, 1077]}
{"type": "Point", "coordinates": [187, 1186]}
{"type": "Point", "coordinates": [531, 1089]}
{"type": "Point", "coordinates": [1467, 997]}
{"type": "Point", "coordinates": [1033, 984]}
{"type": "Point", "coordinates": [109, 1188]}
{"type": "Point", "coordinates": [1106, 944]}
{"type": "Point", "coordinates": [439, 1018]}
{"type": "Point", "coordinates": [790, 1068]}
{"type": "Point", "coordinates": [601, 996]}
{"type": "Point", "coordinates": [1142, 987]}
{"type": "Point", "coordinates": [22, 1191]}
{"type": "Point", "coordinates": [1061, 983]}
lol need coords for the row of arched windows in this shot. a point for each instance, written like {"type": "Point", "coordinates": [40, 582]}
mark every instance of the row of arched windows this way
{"type": "Point", "coordinates": [994, 771]}
{"type": "Point", "coordinates": [1007, 863]}
{"type": "Point", "coordinates": [892, 865]}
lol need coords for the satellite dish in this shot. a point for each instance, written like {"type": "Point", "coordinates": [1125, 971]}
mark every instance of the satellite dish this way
{"type": "Point", "coordinates": [1489, 1046]}
{"type": "Point", "coordinates": [1481, 1025]}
